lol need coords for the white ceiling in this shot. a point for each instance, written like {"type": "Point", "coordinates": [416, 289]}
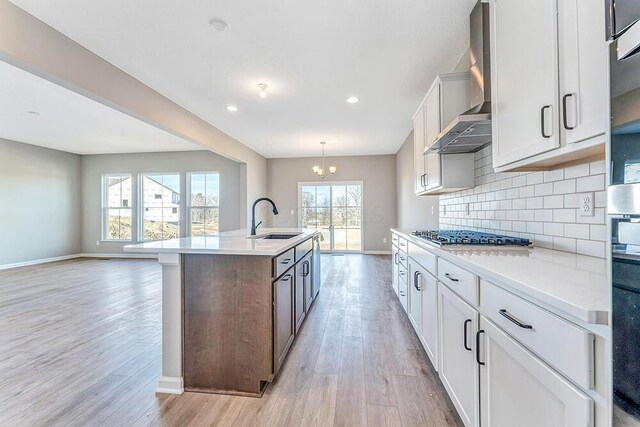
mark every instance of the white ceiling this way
{"type": "Point", "coordinates": [313, 54]}
{"type": "Point", "coordinates": [70, 122]}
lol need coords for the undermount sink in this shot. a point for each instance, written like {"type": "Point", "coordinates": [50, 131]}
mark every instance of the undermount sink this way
{"type": "Point", "coordinates": [276, 236]}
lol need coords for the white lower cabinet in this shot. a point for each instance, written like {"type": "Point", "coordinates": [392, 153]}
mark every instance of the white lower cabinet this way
{"type": "Point", "coordinates": [518, 389]}
{"type": "Point", "coordinates": [395, 271]}
{"type": "Point", "coordinates": [458, 367]}
{"type": "Point", "coordinates": [423, 308]}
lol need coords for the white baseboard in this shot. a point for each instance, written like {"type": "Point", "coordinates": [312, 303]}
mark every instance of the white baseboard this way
{"type": "Point", "coordinates": [377, 252]}
{"type": "Point", "coordinates": [80, 255]}
{"type": "Point", "coordinates": [117, 255]}
{"type": "Point", "coordinates": [38, 261]}
{"type": "Point", "coordinates": [170, 385]}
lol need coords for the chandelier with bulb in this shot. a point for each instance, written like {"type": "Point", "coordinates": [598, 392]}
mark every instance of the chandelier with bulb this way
{"type": "Point", "coordinates": [321, 170]}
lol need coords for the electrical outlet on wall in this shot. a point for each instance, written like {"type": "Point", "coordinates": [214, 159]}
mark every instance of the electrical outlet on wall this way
{"type": "Point", "coordinates": [586, 204]}
{"type": "Point", "coordinates": [384, 240]}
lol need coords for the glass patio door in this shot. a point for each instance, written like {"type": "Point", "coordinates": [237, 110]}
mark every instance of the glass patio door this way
{"type": "Point", "coordinates": [336, 210]}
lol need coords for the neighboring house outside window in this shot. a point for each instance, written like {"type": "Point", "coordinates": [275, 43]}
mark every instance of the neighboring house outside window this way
{"type": "Point", "coordinates": [204, 203]}
{"type": "Point", "coordinates": [161, 202]}
{"type": "Point", "coordinates": [117, 214]}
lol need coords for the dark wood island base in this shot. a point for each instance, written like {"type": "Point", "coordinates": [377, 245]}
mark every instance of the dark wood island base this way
{"type": "Point", "coordinates": [241, 314]}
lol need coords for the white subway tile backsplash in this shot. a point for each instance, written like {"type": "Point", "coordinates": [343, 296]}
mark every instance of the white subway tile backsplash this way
{"type": "Point", "coordinates": [578, 231]}
{"type": "Point", "coordinates": [564, 244]}
{"type": "Point", "coordinates": [590, 183]}
{"type": "Point", "coordinates": [576, 171]}
{"type": "Point", "coordinates": [564, 215]}
{"type": "Point", "coordinates": [564, 187]}
{"type": "Point", "coordinates": [541, 206]}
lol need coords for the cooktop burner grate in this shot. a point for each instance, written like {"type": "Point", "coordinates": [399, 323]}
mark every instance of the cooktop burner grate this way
{"type": "Point", "coordinates": [468, 237]}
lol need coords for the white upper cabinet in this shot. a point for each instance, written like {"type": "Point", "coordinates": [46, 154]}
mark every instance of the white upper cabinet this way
{"type": "Point", "coordinates": [583, 69]}
{"type": "Point", "coordinates": [435, 174]}
{"type": "Point", "coordinates": [418, 147]}
{"type": "Point", "coordinates": [517, 389]}
{"type": "Point", "coordinates": [524, 64]}
{"type": "Point", "coordinates": [549, 82]}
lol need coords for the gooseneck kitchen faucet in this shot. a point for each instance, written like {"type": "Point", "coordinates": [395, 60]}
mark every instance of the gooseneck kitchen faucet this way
{"type": "Point", "coordinates": [253, 213]}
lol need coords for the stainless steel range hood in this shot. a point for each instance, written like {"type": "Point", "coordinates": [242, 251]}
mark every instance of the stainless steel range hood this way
{"type": "Point", "coordinates": [471, 130]}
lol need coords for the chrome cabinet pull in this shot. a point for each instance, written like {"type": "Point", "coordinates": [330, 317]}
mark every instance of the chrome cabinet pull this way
{"type": "Point", "coordinates": [453, 279]}
{"type": "Point", "coordinates": [506, 314]}
{"type": "Point", "coordinates": [564, 112]}
{"type": "Point", "coordinates": [286, 277]}
{"type": "Point", "coordinates": [285, 261]}
{"type": "Point", "coordinates": [466, 324]}
{"type": "Point", "coordinates": [542, 121]}
{"type": "Point", "coordinates": [416, 278]}
{"type": "Point", "coordinates": [478, 347]}
{"type": "Point", "coordinates": [396, 256]}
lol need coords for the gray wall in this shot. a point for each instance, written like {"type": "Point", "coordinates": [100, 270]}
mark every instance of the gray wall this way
{"type": "Point", "coordinates": [94, 166]}
{"type": "Point", "coordinates": [41, 204]}
{"type": "Point", "coordinates": [379, 187]}
{"type": "Point", "coordinates": [414, 212]}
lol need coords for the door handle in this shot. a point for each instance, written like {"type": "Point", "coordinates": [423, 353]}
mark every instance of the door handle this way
{"type": "Point", "coordinates": [478, 347]}
{"type": "Point", "coordinates": [453, 279]}
{"type": "Point", "coordinates": [542, 121]}
{"type": "Point", "coordinates": [396, 258]}
{"type": "Point", "coordinates": [416, 277]}
{"type": "Point", "coordinates": [466, 345]}
{"type": "Point", "coordinates": [505, 313]}
{"type": "Point", "coordinates": [564, 112]}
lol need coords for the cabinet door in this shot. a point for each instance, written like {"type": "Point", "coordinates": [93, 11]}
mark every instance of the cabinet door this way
{"type": "Point", "coordinates": [283, 328]}
{"type": "Point", "coordinates": [583, 69]}
{"type": "Point", "coordinates": [395, 272]}
{"type": "Point", "coordinates": [418, 147]}
{"type": "Point", "coordinates": [524, 79]}
{"type": "Point", "coordinates": [316, 272]}
{"type": "Point", "coordinates": [429, 328]}
{"type": "Point", "coordinates": [517, 389]}
{"type": "Point", "coordinates": [300, 301]}
{"type": "Point", "coordinates": [458, 367]}
{"type": "Point", "coordinates": [308, 284]}
{"type": "Point", "coordinates": [433, 170]}
{"type": "Point", "coordinates": [414, 309]}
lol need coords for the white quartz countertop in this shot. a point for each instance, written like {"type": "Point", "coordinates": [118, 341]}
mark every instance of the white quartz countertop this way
{"type": "Point", "coordinates": [573, 284]}
{"type": "Point", "coordinates": [236, 242]}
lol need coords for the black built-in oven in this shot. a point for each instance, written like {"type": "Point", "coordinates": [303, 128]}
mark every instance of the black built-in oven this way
{"type": "Point", "coordinates": [624, 207]}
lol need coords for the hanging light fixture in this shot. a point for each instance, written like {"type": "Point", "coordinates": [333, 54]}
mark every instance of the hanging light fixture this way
{"type": "Point", "coordinates": [320, 170]}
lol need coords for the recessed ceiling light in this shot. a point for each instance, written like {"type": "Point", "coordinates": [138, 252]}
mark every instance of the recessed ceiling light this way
{"type": "Point", "coordinates": [262, 88]}
{"type": "Point", "coordinates": [353, 100]}
{"type": "Point", "coordinates": [34, 113]}
{"type": "Point", "coordinates": [232, 108]}
{"type": "Point", "coordinates": [218, 24]}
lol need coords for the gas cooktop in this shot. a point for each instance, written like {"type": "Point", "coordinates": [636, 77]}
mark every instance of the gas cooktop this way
{"type": "Point", "coordinates": [468, 237]}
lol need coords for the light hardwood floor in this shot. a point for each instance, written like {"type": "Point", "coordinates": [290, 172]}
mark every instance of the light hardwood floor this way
{"type": "Point", "coordinates": [80, 345]}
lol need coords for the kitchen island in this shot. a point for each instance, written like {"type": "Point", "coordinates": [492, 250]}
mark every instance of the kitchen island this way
{"type": "Point", "coordinates": [232, 305]}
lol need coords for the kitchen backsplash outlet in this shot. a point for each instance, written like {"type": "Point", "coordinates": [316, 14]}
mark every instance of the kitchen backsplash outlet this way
{"type": "Point", "coordinates": [541, 206]}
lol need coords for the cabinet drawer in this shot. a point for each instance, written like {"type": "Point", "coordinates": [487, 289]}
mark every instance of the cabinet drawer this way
{"type": "Point", "coordinates": [402, 259]}
{"type": "Point", "coordinates": [402, 244]}
{"type": "Point", "coordinates": [402, 272]}
{"type": "Point", "coordinates": [283, 262]}
{"type": "Point", "coordinates": [459, 280]}
{"type": "Point", "coordinates": [423, 257]}
{"type": "Point", "coordinates": [303, 248]}
{"type": "Point", "coordinates": [560, 343]}
{"type": "Point", "coordinates": [394, 239]}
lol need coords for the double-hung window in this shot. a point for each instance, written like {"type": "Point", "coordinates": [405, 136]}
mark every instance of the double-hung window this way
{"type": "Point", "coordinates": [116, 207]}
{"type": "Point", "coordinates": [204, 203]}
{"type": "Point", "coordinates": [161, 206]}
